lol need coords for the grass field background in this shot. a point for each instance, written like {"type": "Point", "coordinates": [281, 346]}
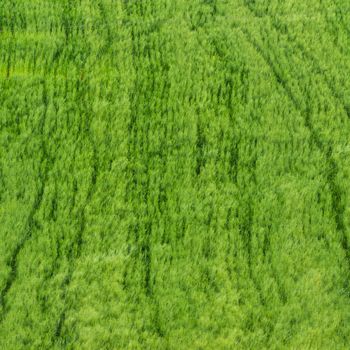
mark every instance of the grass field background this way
{"type": "Point", "coordinates": [174, 174]}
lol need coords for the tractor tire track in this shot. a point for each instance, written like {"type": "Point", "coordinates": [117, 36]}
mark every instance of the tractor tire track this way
{"type": "Point", "coordinates": [146, 85]}
{"type": "Point", "coordinates": [31, 223]}
{"type": "Point", "coordinates": [307, 54]}
{"type": "Point", "coordinates": [84, 96]}
{"type": "Point", "coordinates": [245, 219]}
{"type": "Point", "coordinates": [59, 335]}
{"type": "Point", "coordinates": [332, 169]}
{"type": "Point", "coordinates": [316, 66]}
{"type": "Point", "coordinates": [292, 98]}
{"type": "Point", "coordinates": [245, 222]}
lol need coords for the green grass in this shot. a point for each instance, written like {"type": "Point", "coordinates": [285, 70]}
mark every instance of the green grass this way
{"type": "Point", "coordinates": [174, 174]}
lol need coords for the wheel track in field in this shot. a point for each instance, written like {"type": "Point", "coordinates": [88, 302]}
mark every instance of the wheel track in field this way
{"type": "Point", "coordinates": [59, 335]}
{"type": "Point", "coordinates": [245, 219]}
{"type": "Point", "coordinates": [246, 222]}
{"type": "Point", "coordinates": [145, 85]}
{"type": "Point", "coordinates": [316, 66]}
{"type": "Point", "coordinates": [136, 91]}
{"type": "Point", "coordinates": [194, 26]}
{"type": "Point", "coordinates": [279, 79]}
{"type": "Point", "coordinates": [307, 54]}
{"type": "Point", "coordinates": [332, 171]}
{"type": "Point", "coordinates": [332, 167]}
{"type": "Point", "coordinates": [338, 209]}
{"type": "Point", "coordinates": [283, 83]}
{"type": "Point", "coordinates": [131, 184]}
{"type": "Point", "coordinates": [31, 222]}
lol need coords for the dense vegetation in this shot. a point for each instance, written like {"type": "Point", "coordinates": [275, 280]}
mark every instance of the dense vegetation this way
{"type": "Point", "coordinates": [174, 174]}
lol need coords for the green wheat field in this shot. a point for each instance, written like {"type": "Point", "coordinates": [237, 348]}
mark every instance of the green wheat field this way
{"type": "Point", "coordinates": [174, 174]}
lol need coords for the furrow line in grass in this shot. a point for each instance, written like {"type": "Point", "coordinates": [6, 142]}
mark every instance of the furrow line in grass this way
{"type": "Point", "coordinates": [200, 144]}
{"type": "Point", "coordinates": [315, 64]}
{"type": "Point", "coordinates": [81, 217]}
{"type": "Point", "coordinates": [246, 222]}
{"type": "Point", "coordinates": [336, 95]}
{"type": "Point", "coordinates": [147, 65]}
{"type": "Point", "coordinates": [31, 222]}
{"type": "Point", "coordinates": [310, 57]}
{"type": "Point", "coordinates": [59, 334]}
{"type": "Point", "coordinates": [332, 170]}
{"type": "Point", "coordinates": [292, 98]}
{"type": "Point", "coordinates": [245, 218]}
{"type": "Point", "coordinates": [135, 189]}
{"type": "Point", "coordinates": [79, 242]}
{"type": "Point", "coordinates": [139, 233]}
{"type": "Point", "coordinates": [131, 183]}
{"type": "Point", "coordinates": [85, 99]}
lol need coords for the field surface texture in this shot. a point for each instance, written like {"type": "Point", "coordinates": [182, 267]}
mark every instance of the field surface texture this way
{"type": "Point", "coordinates": [174, 174]}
